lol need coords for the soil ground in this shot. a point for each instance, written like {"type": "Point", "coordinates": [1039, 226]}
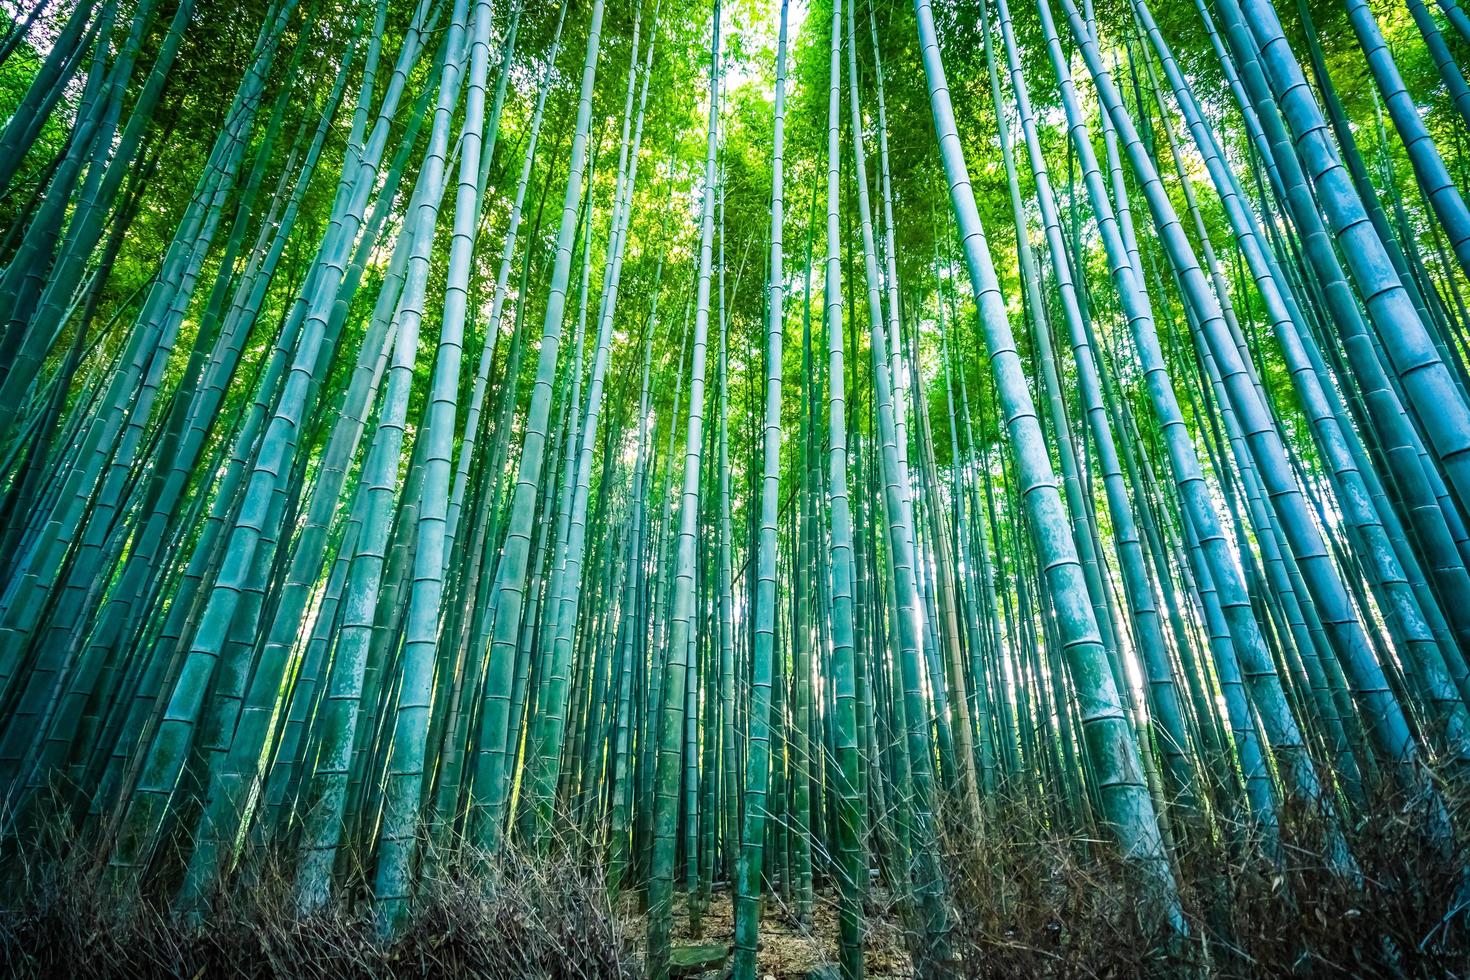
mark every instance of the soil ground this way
{"type": "Point", "coordinates": [790, 950]}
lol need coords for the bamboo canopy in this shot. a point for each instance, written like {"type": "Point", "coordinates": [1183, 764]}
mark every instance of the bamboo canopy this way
{"type": "Point", "coordinates": [821, 459]}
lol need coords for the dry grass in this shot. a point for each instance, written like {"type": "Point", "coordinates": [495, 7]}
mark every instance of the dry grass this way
{"type": "Point", "coordinates": [544, 920]}
{"type": "Point", "coordinates": [1027, 900]}
{"type": "Point", "coordinates": [1032, 904]}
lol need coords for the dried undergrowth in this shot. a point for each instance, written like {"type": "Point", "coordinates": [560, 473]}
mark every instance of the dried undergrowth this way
{"type": "Point", "coordinates": [544, 919]}
{"type": "Point", "coordinates": [1029, 903]}
{"type": "Point", "coordinates": [1027, 899]}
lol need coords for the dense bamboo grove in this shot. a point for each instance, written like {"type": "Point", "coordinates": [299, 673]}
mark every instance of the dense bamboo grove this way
{"type": "Point", "coordinates": [780, 455]}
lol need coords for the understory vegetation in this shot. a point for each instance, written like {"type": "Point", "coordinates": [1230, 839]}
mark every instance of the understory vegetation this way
{"type": "Point", "coordinates": [1027, 903]}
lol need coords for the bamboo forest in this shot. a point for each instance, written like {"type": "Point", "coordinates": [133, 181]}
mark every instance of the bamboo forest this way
{"type": "Point", "coordinates": [754, 489]}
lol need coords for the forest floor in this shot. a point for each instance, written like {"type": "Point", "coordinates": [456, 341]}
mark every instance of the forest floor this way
{"type": "Point", "coordinates": [792, 950]}
{"type": "Point", "coordinates": [1022, 904]}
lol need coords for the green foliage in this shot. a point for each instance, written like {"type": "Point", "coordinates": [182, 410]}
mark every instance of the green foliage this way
{"type": "Point", "coordinates": [331, 525]}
